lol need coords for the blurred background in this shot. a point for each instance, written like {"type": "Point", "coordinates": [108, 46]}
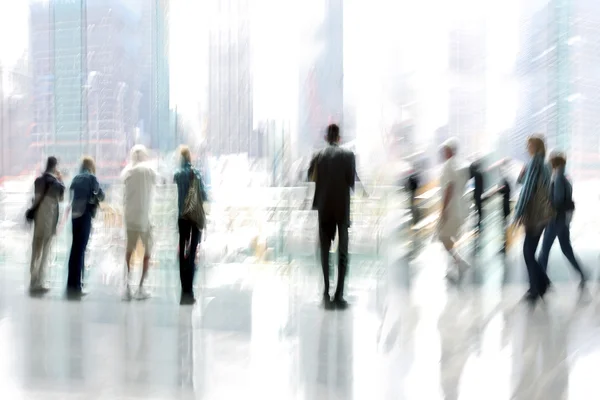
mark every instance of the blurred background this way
{"type": "Point", "coordinates": [251, 84]}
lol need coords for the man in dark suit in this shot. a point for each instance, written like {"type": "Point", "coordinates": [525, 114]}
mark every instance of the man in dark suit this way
{"type": "Point", "coordinates": [333, 171]}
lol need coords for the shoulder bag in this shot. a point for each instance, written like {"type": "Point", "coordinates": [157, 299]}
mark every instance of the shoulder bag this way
{"type": "Point", "coordinates": [193, 209]}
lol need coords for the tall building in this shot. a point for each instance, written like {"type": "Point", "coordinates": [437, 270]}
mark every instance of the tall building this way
{"type": "Point", "coordinates": [230, 89]}
{"type": "Point", "coordinates": [15, 119]}
{"type": "Point", "coordinates": [82, 55]}
{"type": "Point", "coordinates": [467, 97]}
{"type": "Point", "coordinates": [322, 82]}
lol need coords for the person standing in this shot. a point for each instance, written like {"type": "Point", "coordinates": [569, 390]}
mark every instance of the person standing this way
{"type": "Point", "coordinates": [49, 192]}
{"type": "Point", "coordinates": [189, 232]}
{"type": "Point", "coordinates": [561, 197]}
{"type": "Point", "coordinates": [139, 180]}
{"type": "Point", "coordinates": [478, 187]}
{"type": "Point", "coordinates": [505, 191]}
{"type": "Point", "coordinates": [454, 208]}
{"type": "Point", "coordinates": [334, 172]}
{"type": "Point", "coordinates": [534, 211]}
{"type": "Point", "coordinates": [86, 195]}
{"type": "Point", "coordinates": [413, 183]}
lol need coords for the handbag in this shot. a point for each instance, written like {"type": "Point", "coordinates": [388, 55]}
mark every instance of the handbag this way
{"type": "Point", "coordinates": [32, 211]}
{"type": "Point", "coordinates": [539, 210]}
{"type": "Point", "coordinates": [193, 209]}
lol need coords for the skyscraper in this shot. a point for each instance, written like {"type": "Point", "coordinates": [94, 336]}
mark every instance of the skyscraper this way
{"type": "Point", "coordinates": [322, 82]}
{"type": "Point", "coordinates": [82, 55]}
{"type": "Point", "coordinates": [230, 89]}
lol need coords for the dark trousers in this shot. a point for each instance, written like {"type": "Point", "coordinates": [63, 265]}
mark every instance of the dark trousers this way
{"type": "Point", "coordinates": [82, 227]}
{"type": "Point", "coordinates": [479, 209]}
{"type": "Point", "coordinates": [327, 229]}
{"type": "Point", "coordinates": [560, 229]}
{"type": "Point", "coordinates": [189, 237]}
{"type": "Point", "coordinates": [538, 280]}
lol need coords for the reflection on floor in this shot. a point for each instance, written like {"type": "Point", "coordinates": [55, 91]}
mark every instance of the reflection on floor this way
{"type": "Point", "coordinates": [259, 333]}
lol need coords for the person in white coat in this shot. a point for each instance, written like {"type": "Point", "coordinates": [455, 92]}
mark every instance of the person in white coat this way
{"type": "Point", "coordinates": [139, 180]}
{"type": "Point", "coordinates": [453, 209]}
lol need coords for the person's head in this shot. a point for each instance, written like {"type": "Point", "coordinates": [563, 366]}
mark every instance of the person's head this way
{"type": "Point", "coordinates": [558, 160]}
{"type": "Point", "coordinates": [333, 134]}
{"type": "Point", "coordinates": [88, 164]}
{"type": "Point", "coordinates": [51, 164]}
{"type": "Point", "coordinates": [449, 148]}
{"type": "Point", "coordinates": [536, 146]}
{"type": "Point", "coordinates": [138, 154]}
{"type": "Point", "coordinates": [186, 155]}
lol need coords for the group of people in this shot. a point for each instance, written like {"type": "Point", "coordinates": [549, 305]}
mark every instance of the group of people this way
{"type": "Point", "coordinates": [545, 208]}
{"type": "Point", "coordinates": [139, 181]}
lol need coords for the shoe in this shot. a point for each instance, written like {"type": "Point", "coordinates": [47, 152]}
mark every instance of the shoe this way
{"type": "Point", "coordinates": [76, 293]}
{"type": "Point", "coordinates": [187, 300]}
{"type": "Point", "coordinates": [127, 294]}
{"type": "Point", "coordinates": [38, 290]}
{"type": "Point", "coordinates": [327, 303]}
{"type": "Point", "coordinates": [340, 303]}
{"type": "Point", "coordinates": [142, 294]}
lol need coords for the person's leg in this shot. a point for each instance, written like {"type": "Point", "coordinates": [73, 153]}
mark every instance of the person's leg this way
{"type": "Point", "coordinates": [74, 277]}
{"type": "Point", "coordinates": [564, 239]}
{"type": "Point", "coordinates": [132, 238]}
{"type": "Point", "coordinates": [147, 242]}
{"type": "Point", "coordinates": [86, 231]}
{"type": "Point", "coordinates": [194, 242]}
{"type": "Point", "coordinates": [326, 230]}
{"type": "Point", "coordinates": [46, 250]}
{"type": "Point", "coordinates": [342, 262]}
{"type": "Point", "coordinates": [538, 280]}
{"type": "Point", "coordinates": [34, 268]}
{"type": "Point", "coordinates": [549, 237]}
{"type": "Point", "coordinates": [184, 234]}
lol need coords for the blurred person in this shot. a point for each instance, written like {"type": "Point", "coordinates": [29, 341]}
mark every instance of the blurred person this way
{"type": "Point", "coordinates": [505, 191]}
{"type": "Point", "coordinates": [139, 180]}
{"type": "Point", "coordinates": [561, 197]}
{"type": "Point", "coordinates": [49, 192]}
{"type": "Point", "coordinates": [86, 195]}
{"type": "Point", "coordinates": [413, 183]}
{"type": "Point", "coordinates": [189, 232]}
{"type": "Point", "coordinates": [478, 187]}
{"type": "Point", "coordinates": [534, 211]}
{"type": "Point", "coordinates": [454, 210]}
{"type": "Point", "coordinates": [333, 170]}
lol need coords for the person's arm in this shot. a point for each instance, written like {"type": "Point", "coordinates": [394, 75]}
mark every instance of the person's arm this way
{"type": "Point", "coordinates": [98, 190]}
{"type": "Point", "coordinates": [201, 188]}
{"type": "Point", "coordinates": [529, 183]}
{"type": "Point", "coordinates": [447, 196]}
{"type": "Point", "coordinates": [312, 167]}
{"type": "Point", "coordinates": [38, 191]}
{"type": "Point", "coordinates": [351, 174]}
{"type": "Point", "coordinates": [558, 195]}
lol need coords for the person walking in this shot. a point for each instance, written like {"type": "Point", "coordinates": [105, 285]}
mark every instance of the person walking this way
{"type": "Point", "coordinates": [139, 181]}
{"type": "Point", "coordinates": [334, 172]}
{"type": "Point", "coordinates": [505, 191]}
{"type": "Point", "coordinates": [49, 192]}
{"type": "Point", "coordinates": [189, 231]}
{"type": "Point", "coordinates": [453, 209]}
{"type": "Point", "coordinates": [534, 211]}
{"type": "Point", "coordinates": [86, 195]}
{"type": "Point", "coordinates": [561, 197]}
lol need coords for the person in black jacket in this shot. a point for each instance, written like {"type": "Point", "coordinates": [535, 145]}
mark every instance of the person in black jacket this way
{"type": "Point", "coordinates": [561, 196]}
{"type": "Point", "coordinates": [505, 191]}
{"type": "Point", "coordinates": [334, 172]}
{"type": "Point", "coordinates": [477, 176]}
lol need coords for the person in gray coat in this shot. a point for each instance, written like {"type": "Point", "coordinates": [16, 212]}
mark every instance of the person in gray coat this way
{"type": "Point", "coordinates": [49, 191]}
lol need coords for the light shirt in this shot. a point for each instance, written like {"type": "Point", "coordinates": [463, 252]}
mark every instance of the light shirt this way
{"type": "Point", "coordinates": [139, 181]}
{"type": "Point", "coordinates": [458, 176]}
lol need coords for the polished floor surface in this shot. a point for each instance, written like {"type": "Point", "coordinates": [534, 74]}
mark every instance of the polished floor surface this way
{"type": "Point", "coordinates": [259, 333]}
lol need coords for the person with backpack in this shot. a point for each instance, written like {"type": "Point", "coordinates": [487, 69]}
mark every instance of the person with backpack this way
{"type": "Point", "coordinates": [49, 192]}
{"type": "Point", "coordinates": [191, 196]}
{"type": "Point", "coordinates": [561, 197]}
{"type": "Point", "coordinates": [86, 195]}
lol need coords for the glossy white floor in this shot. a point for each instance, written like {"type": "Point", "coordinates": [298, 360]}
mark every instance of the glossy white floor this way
{"type": "Point", "coordinates": [260, 334]}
